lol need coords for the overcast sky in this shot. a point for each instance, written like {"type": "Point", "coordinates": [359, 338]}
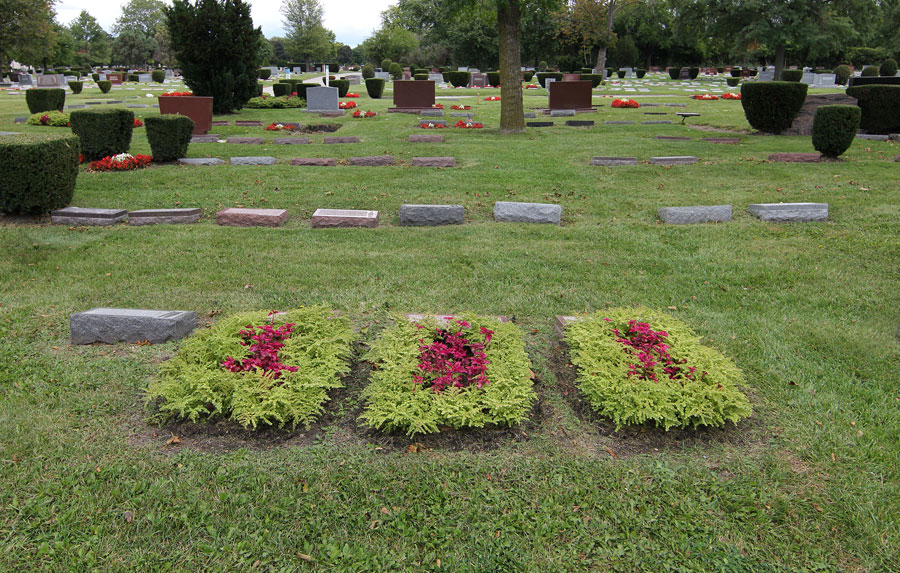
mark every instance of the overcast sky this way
{"type": "Point", "coordinates": [352, 21]}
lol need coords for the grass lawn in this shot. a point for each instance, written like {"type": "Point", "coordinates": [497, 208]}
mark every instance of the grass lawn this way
{"type": "Point", "coordinates": [808, 311]}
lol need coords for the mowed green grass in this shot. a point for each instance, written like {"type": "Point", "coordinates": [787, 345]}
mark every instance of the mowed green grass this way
{"type": "Point", "coordinates": [808, 311]}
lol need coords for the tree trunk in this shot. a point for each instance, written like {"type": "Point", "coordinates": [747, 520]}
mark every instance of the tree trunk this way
{"type": "Point", "coordinates": [601, 60]}
{"type": "Point", "coordinates": [779, 62]}
{"type": "Point", "coordinates": [601, 56]}
{"type": "Point", "coordinates": [512, 117]}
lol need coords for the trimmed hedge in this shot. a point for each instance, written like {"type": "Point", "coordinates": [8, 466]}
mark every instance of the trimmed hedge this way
{"type": "Point", "coordinates": [102, 132]}
{"type": "Point", "coordinates": [282, 89]}
{"type": "Point", "coordinates": [301, 89]}
{"type": "Point", "coordinates": [394, 401]}
{"type": "Point", "coordinates": [76, 86]}
{"type": "Point", "coordinates": [368, 71]}
{"type": "Point", "coordinates": [420, 77]}
{"type": "Point", "coordinates": [396, 70]}
{"type": "Point", "coordinates": [706, 396]}
{"type": "Point", "coordinates": [527, 75]}
{"type": "Point", "coordinates": [45, 168]}
{"type": "Point", "coordinates": [104, 85]}
{"type": "Point", "coordinates": [542, 77]}
{"type": "Point", "coordinates": [888, 68]}
{"type": "Point", "coordinates": [264, 73]}
{"type": "Point", "coordinates": [95, 77]}
{"type": "Point", "coordinates": [674, 73]}
{"type": "Point", "coordinates": [735, 72]}
{"type": "Point", "coordinates": [842, 74]}
{"type": "Point", "coordinates": [158, 76]}
{"type": "Point", "coordinates": [375, 87]}
{"type": "Point", "coordinates": [169, 136]}
{"type": "Point", "coordinates": [343, 87]}
{"type": "Point", "coordinates": [458, 79]}
{"type": "Point", "coordinates": [869, 72]}
{"type": "Point", "coordinates": [791, 75]}
{"type": "Point", "coordinates": [45, 99]}
{"type": "Point", "coordinates": [772, 106]}
{"type": "Point", "coordinates": [732, 82]}
{"type": "Point", "coordinates": [194, 385]}
{"type": "Point", "coordinates": [493, 78]}
{"type": "Point", "coordinates": [880, 106]}
{"type": "Point", "coordinates": [595, 79]}
{"type": "Point", "coordinates": [640, 73]}
{"type": "Point", "coordinates": [259, 89]}
{"type": "Point", "coordinates": [621, 73]}
{"type": "Point", "coordinates": [132, 77]}
{"type": "Point", "coordinates": [834, 127]}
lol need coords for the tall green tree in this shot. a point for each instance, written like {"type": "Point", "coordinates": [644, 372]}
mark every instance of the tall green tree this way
{"type": "Point", "coordinates": [215, 45]}
{"type": "Point", "coordinates": [93, 41]}
{"type": "Point", "coordinates": [143, 15]}
{"type": "Point", "coordinates": [65, 48]}
{"type": "Point", "coordinates": [133, 48]}
{"type": "Point", "coordinates": [26, 30]}
{"type": "Point", "coordinates": [307, 39]}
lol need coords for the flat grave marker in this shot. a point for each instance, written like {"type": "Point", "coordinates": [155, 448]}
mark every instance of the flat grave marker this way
{"type": "Point", "coordinates": [111, 325]}
{"type": "Point", "coordinates": [201, 161]}
{"type": "Point", "coordinates": [515, 212]}
{"type": "Point", "coordinates": [261, 160]}
{"type": "Point", "coordinates": [434, 162]}
{"type": "Point", "coordinates": [88, 216]}
{"type": "Point", "coordinates": [238, 217]}
{"type": "Point", "coordinates": [790, 212]}
{"type": "Point", "coordinates": [431, 215]}
{"type": "Point", "coordinates": [314, 161]}
{"type": "Point", "coordinates": [163, 216]}
{"type": "Point", "coordinates": [246, 140]}
{"type": "Point", "coordinates": [694, 214]}
{"type": "Point", "coordinates": [674, 160]}
{"type": "Point", "coordinates": [339, 218]}
{"type": "Point", "coordinates": [426, 138]}
{"type": "Point", "coordinates": [613, 161]}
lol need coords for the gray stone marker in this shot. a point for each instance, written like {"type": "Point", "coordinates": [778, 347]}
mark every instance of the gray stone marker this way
{"type": "Point", "coordinates": [87, 216]}
{"type": "Point", "coordinates": [325, 218]}
{"type": "Point", "coordinates": [201, 161]}
{"type": "Point", "coordinates": [208, 138]}
{"type": "Point", "coordinates": [372, 160]}
{"type": "Point", "coordinates": [114, 101]}
{"type": "Point", "coordinates": [163, 216]}
{"type": "Point", "coordinates": [619, 123]}
{"type": "Point", "coordinates": [137, 105]}
{"type": "Point", "coordinates": [20, 120]}
{"type": "Point", "coordinates": [694, 214]}
{"type": "Point", "coordinates": [579, 123]}
{"type": "Point", "coordinates": [657, 122]}
{"type": "Point", "coordinates": [790, 212]}
{"type": "Point", "coordinates": [674, 160]}
{"type": "Point", "coordinates": [530, 115]}
{"type": "Point", "coordinates": [614, 161]}
{"type": "Point", "coordinates": [428, 120]}
{"type": "Point", "coordinates": [10, 133]}
{"type": "Point", "coordinates": [649, 105]}
{"type": "Point", "coordinates": [675, 105]}
{"type": "Point", "coordinates": [346, 139]}
{"type": "Point", "coordinates": [431, 215]}
{"type": "Point", "coordinates": [434, 162]}
{"type": "Point", "coordinates": [253, 160]}
{"type": "Point", "coordinates": [426, 138]}
{"type": "Point", "coordinates": [513, 212]}
{"type": "Point", "coordinates": [111, 325]}
{"type": "Point", "coordinates": [461, 114]}
{"type": "Point", "coordinates": [246, 140]}
{"type": "Point", "coordinates": [562, 322]}
{"type": "Point", "coordinates": [562, 112]}
{"type": "Point", "coordinates": [322, 99]}
{"type": "Point", "coordinates": [539, 124]}
{"type": "Point", "coordinates": [76, 106]}
{"type": "Point", "coordinates": [291, 141]}
{"type": "Point", "coordinates": [237, 217]}
{"type": "Point", "coordinates": [248, 123]}
{"type": "Point", "coordinates": [432, 113]}
{"type": "Point", "coordinates": [872, 137]}
{"type": "Point", "coordinates": [314, 161]}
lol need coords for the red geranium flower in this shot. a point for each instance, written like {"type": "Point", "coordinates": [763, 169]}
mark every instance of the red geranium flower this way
{"type": "Point", "coordinates": [347, 105]}
{"type": "Point", "coordinates": [138, 122]}
{"type": "Point", "coordinates": [625, 103]}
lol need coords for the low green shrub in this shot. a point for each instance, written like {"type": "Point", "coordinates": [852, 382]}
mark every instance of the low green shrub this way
{"type": "Point", "coordinates": [791, 75]}
{"type": "Point", "coordinates": [595, 79]}
{"type": "Point", "coordinates": [674, 73]}
{"type": "Point", "coordinates": [687, 384]}
{"type": "Point", "coordinates": [834, 127]}
{"type": "Point", "coordinates": [888, 68]}
{"type": "Point", "coordinates": [542, 77]}
{"type": "Point", "coordinates": [158, 76]}
{"type": "Point", "coordinates": [458, 79]}
{"type": "Point", "coordinates": [621, 73]}
{"type": "Point", "coordinates": [842, 74]}
{"type": "Point", "coordinates": [49, 118]}
{"type": "Point", "coordinates": [343, 86]}
{"type": "Point", "coordinates": [102, 132]}
{"type": "Point", "coordinates": [527, 75]}
{"type": "Point", "coordinates": [131, 77]}
{"type": "Point", "coordinates": [277, 102]}
{"type": "Point", "coordinates": [869, 71]}
{"type": "Point", "coordinates": [45, 99]}
{"type": "Point", "coordinates": [169, 136]}
{"type": "Point", "coordinates": [693, 73]}
{"type": "Point", "coordinates": [493, 78]}
{"type": "Point", "coordinates": [420, 77]}
{"type": "Point", "coordinates": [735, 72]}
{"type": "Point", "coordinates": [772, 106]}
{"type": "Point", "coordinates": [396, 401]}
{"type": "Point", "coordinates": [542, 66]}
{"type": "Point", "coordinates": [640, 73]}
{"type": "Point", "coordinates": [368, 71]}
{"type": "Point", "coordinates": [76, 86]}
{"type": "Point", "coordinates": [282, 89]}
{"type": "Point", "coordinates": [385, 65]}
{"type": "Point", "coordinates": [301, 90]}
{"type": "Point", "coordinates": [880, 106]}
{"type": "Point", "coordinates": [95, 77]}
{"type": "Point", "coordinates": [195, 385]}
{"type": "Point", "coordinates": [264, 73]}
{"type": "Point", "coordinates": [396, 71]}
{"type": "Point", "coordinates": [104, 85]}
{"type": "Point", "coordinates": [375, 87]}
{"type": "Point", "coordinates": [732, 82]}
{"type": "Point", "coordinates": [45, 169]}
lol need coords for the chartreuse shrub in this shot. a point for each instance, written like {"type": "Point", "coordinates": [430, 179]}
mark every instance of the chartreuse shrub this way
{"type": "Point", "coordinates": [834, 127]}
{"type": "Point", "coordinates": [49, 118]}
{"type": "Point", "coordinates": [169, 135]}
{"type": "Point", "coordinates": [282, 102]}
{"type": "Point", "coordinates": [636, 365]}
{"type": "Point", "coordinates": [45, 168]}
{"type": "Point", "coordinates": [102, 132]}
{"type": "Point", "coordinates": [375, 87]}
{"type": "Point", "coordinates": [281, 378]}
{"type": "Point", "coordinates": [880, 105]}
{"type": "Point", "coordinates": [772, 106]}
{"type": "Point", "coordinates": [412, 390]}
{"type": "Point", "coordinates": [45, 99]}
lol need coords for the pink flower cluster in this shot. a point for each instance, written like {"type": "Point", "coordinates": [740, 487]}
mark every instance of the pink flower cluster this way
{"type": "Point", "coordinates": [264, 342]}
{"type": "Point", "coordinates": [453, 359]}
{"type": "Point", "coordinates": [651, 349]}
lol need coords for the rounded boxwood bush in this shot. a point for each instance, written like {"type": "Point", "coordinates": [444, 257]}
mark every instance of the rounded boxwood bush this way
{"type": "Point", "coordinates": [343, 87]}
{"type": "Point", "coordinates": [420, 77]}
{"type": "Point", "coordinates": [104, 85]}
{"type": "Point", "coordinates": [196, 384]}
{"type": "Point", "coordinates": [102, 132]}
{"type": "Point", "coordinates": [527, 75]}
{"type": "Point", "coordinates": [595, 79]}
{"type": "Point", "coordinates": [282, 89]}
{"type": "Point", "coordinates": [640, 73]}
{"type": "Point", "coordinates": [693, 73]}
{"type": "Point", "coordinates": [542, 66]}
{"type": "Point", "coordinates": [45, 99]}
{"type": "Point", "coordinates": [834, 127]}
{"type": "Point", "coordinates": [674, 73]}
{"type": "Point", "coordinates": [386, 65]}
{"type": "Point", "coordinates": [869, 71]}
{"type": "Point", "coordinates": [879, 105]}
{"type": "Point", "coordinates": [368, 71]}
{"type": "Point", "coordinates": [791, 75]}
{"type": "Point", "coordinates": [458, 79]}
{"type": "Point", "coordinates": [772, 106]}
{"type": "Point", "coordinates": [842, 74]}
{"type": "Point", "coordinates": [159, 76]}
{"type": "Point", "coordinates": [264, 73]}
{"type": "Point", "coordinates": [493, 78]}
{"type": "Point", "coordinates": [76, 87]}
{"type": "Point", "coordinates": [45, 168]}
{"type": "Point", "coordinates": [732, 82]}
{"type": "Point", "coordinates": [169, 136]}
{"type": "Point", "coordinates": [375, 87]}
{"type": "Point", "coordinates": [302, 87]}
{"type": "Point", "coordinates": [397, 400]}
{"type": "Point", "coordinates": [621, 73]}
{"type": "Point", "coordinates": [396, 70]}
{"type": "Point", "coordinates": [720, 70]}
{"type": "Point", "coordinates": [888, 68]}
{"type": "Point", "coordinates": [542, 77]}
{"type": "Point", "coordinates": [684, 384]}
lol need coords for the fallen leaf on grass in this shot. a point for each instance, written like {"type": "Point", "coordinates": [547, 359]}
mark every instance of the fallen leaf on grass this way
{"type": "Point", "coordinates": [129, 517]}
{"type": "Point", "coordinates": [174, 440]}
{"type": "Point", "coordinates": [611, 452]}
{"type": "Point", "coordinates": [385, 511]}
{"type": "Point", "coordinates": [305, 557]}
{"type": "Point", "coordinates": [672, 307]}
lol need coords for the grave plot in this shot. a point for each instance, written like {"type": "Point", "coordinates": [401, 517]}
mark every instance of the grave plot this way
{"type": "Point", "coordinates": [163, 216]}
{"type": "Point", "coordinates": [414, 390]}
{"type": "Point", "coordinates": [331, 218]}
{"type": "Point", "coordinates": [257, 368]}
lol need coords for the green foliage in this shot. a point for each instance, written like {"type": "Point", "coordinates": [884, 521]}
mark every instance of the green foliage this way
{"type": "Point", "coordinates": [733, 82]}
{"type": "Point", "coordinates": [542, 77]}
{"type": "Point", "coordinates": [282, 102]}
{"type": "Point", "coordinates": [888, 68]}
{"type": "Point", "coordinates": [842, 74]}
{"type": "Point", "coordinates": [595, 79]}
{"type": "Point", "coordinates": [792, 75]}
{"type": "Point", "coordinates": [621, 73]}
{"type": "Point", "coordinates": [104, 85]}
{"type": "Point", "coordinates": [640, 73]}
{"type": "Point", "coordinates": [368, 71]}
{"type": "Point", "coordinates": [281, 89]}
{"type": "Point", "coordinates": [395, 70]}
{"type": "Point", "coordinates": [772, 106]}
{"type": "Point", "coordinates": [225, 68]}
{"type": "Point", "coordinates": [102, 132]}
{"type": "Point", "coordinates": [375, 87]}
{"type": "Point", "coordinates": [527, 75]}
{"type": "Point", "coordinates": [675, 73]}
{"type": "Point", "coordinates": [693, 73]}
{"type": "Point", "coordinates": [193, 385]}
{"type": "Point", "coordinates": [56, 118]}
{"type": "Point", "coordinates": [386, 65]}
{"type": "Point", "coordinates": [458, 79]}
{"type": "Point", "coordinates": [302, 87]}
{"type": "Point", "coordinates": [343, 86]}
{"type": "Point", "coordinates": [542, 66]}
{"type": "Point", "coordinates": [493, 78]}
{"type": "Point", "coordinates": [869, 72]}
{"type": "Point", "coordinates": [169, 136]}
{"type": "Point", "coordinates": [45, 99]}
{"type": "Point", "coordinates": [132, 78]}
{"type": "Point", "coordinates": [95, 77]}
{"type": "Point", "coordinates": [76, 86]}
{"type": "Point", "coordinates": [264, 73]}
{"type": "Point", "coordinates": [834, 127]}
{"type": "Point", "coordinates": [159, 76]}
{"type": "Point", "coordinates": [603, 365]}
{"type": "Point", "coordinates": [45, 168]}
{"type": "Point", "coordinates": [420, 77]}
{"type": "Point", "coordinates": [879, 105]}
{"type": "Point", "coordinates": [396, 402]}
{"type": "Point", "coordinates": [735, 72]}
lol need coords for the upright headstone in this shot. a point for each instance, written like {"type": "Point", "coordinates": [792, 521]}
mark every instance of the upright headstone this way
{"type": "Point", "coordinates": [145, 78]}
{"type": "Point", "coordinates": [570, 95]}
{"type": "Point", "coordinates": [25, 80]}
{"type": "Point", "coordinates": [51, 81]}
{"type": "Point", "coordinates": [413, 96]}
{"type": "Point", "coordinates": [322, 99]}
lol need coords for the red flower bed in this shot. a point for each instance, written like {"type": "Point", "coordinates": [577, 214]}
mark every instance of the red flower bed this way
{"type": "Point", "coordinates": [461, 107]}
{"type": "Point", "coordinates": [361, 113]}
{"type": "Point", "coordinates": [175, 94]}
{"type": "Point", "coordinates": [432, 125]}
{"type": "Point", "coordinates": [453, 360]}
{"type": "Point", "coordinates": [138, 123]}
{"type": "Point", "coordinates": [625, 103]}
{"type": "Point", "coordinates": [437, 105]}
{"type": "Point", "coordinates": [705, 97]}
{"type": "Point", "coordinates": [532, 87]}
{"type": "Point", "coordinates": [121, 162]}
{"type": "Point", "coordinates": [350, 94]}
{"type": "Point", "coordinates": [347, 105]}
{"type": "Point", "coordinates": [731, 96]}
{"type": "Point", "coordinates": [492, 98]}
{"type": "Point", "coordinates": [650, 348]}
{"type": "Point", "coordinates": [468, 125]}
{"type": "Point", "coordinates": [264, 342]}
{"type": "Point", "coordinates": [282, 126]}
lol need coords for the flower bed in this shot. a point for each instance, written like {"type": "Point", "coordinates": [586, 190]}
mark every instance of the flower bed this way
{"type": "Point", "coordinates": [49, 118]}
{"type": "Point", "coordinates": [424, 125]}
{"type": "Point", "coordinates": [437, 105]}
{"type": "Point", "coordinates": [468, 125]}
{"type": "Point", "coordinates": [638, 365]}
{"type": "Point", "coordinates": [625, 103]}
{"type": "Point", "coordinates": [705, 97]}
{"type": "Point", "coordinates": [532, 87]}
{"type": "Point", "coordinates": [138, 122]}
{"type": "Point", "coordinates": [361, 113]}
{"type": "Point", "coordinates": [731, 95]}
{"type": "Point", "coordinates": [177, 94]}
{"type": "Point", "coordinates": [257, 368]}
{"type": "Point", "coordinates": [492, 98]}
{"type": "Point", "coordinates": [461, 107]}
{"type": "Point", "coordinates": [121, 162]}
{"type": "Point", "coordinates": [351, 94]}
{"type": "Point", "coordinates": [347, 105]}
{"type": "Point", "coordinates": [464, 373]}
{"type": "Point", "coordinates": [283, 127]}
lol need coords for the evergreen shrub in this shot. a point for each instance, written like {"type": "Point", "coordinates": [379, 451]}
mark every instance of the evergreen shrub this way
{"type": "Point", "coordinates": [45, 168]}
{"type": "Point", "coordinates": [396, 71]}
{"type": "Point", "coordinates": [834, 127]}
{"type": "Point", "coordinates": [102, 132]}
{"type": "Point", "coordinates": [76, 86]}
{"type": "Point", "coordinates": [735, 72]}
{"type": "Point", "coordinates": [640, 73]}
{"type": "Point", "coordinates": [772, 106]}
{"type": "Point", "coordinates": [880, 106]}
{"type": "Point", "coordinates": [53, 118]}
{"type": "Point", "coordinates": [732, 82]}
{"type": "Point", "coordinates": [493, 78]}
{"type": "Point", "coordinates": [542, 77]}
{"type": "Point", "coordinates": [368, 71]}
{"type": "Point", "coordinates": [842, 74]}
{"type": "Point", "coordinates": [674, 73]}
{"type": "Point", "coordinates": [343, 87]}
{"type": "Point", "coordinates": [264, 73]}
{"type": "Point", "coordinates": [693, 73]}
{"type": "Point", "coordinates": [458, 79]}
{"type": "Point", "coordinates": [791, 75]}
{"type": "Point", "coordinates": [888, 68]}
{"type": "Point", "coordinates": [95, 77]}
{"type": "Point", "coordinates": [282, 89]}
{"type": "Point", "coordinates": [158, 76]}
{"type": "Point", "coordinates": [420, 77]}
{"type": "Point", "coordinates": [45, 99]}
{"type": "Point", "coordinates": [527, 75]}
{"type": "Point", "coordinates": [105, 86]}
{"type": "Point", "coordinates": [621, 73]}
{"type": "Point", "coordinates": [869, 71]}
{"type": "Point", "coordinates": [595, 79]}
{"type": "Point", "coordinates": [169, 136]}
{"type": "Point", "coordinates": [281, 102]}
{"type": "Point", "coordinates": [375, 87]}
